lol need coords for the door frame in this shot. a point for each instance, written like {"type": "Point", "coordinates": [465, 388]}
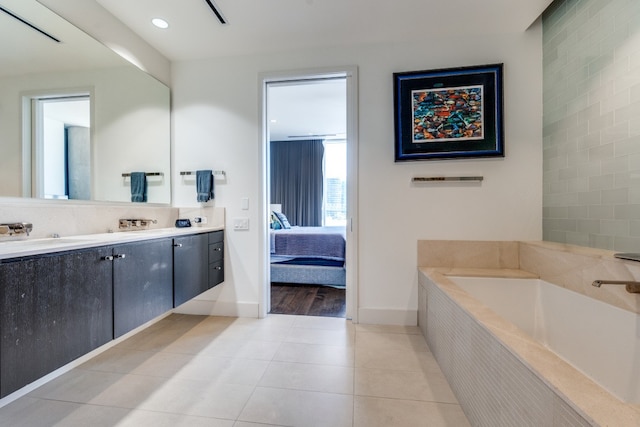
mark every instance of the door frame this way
{"type": "Point", "coordinates": [31, 137]}
{"type": "Point", "coordinates": [350, 73]}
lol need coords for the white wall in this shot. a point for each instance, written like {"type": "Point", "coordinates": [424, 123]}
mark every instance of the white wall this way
{"type": "Point", "coordinates": [216, 125]}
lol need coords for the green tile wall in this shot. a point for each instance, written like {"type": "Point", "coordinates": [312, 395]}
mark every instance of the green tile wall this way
{"type": "Point", "coordinates": [591, 71]}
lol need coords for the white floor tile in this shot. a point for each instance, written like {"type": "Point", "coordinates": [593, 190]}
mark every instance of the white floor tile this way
{"type": "Point", "coordinates": [300, 376]}
{"type": "Point", "coordinates": [336, 337]}
{"type": "Point", "coordinates": [223, 372]}
{"type": "Point", "coordinates": [411, 385]}
{"type": "Point", "coordinates": [316, 354]}
{"type": "Point", "coordinates": [298, 408]}
{"type": "Point", "coordinates": [377, 412]}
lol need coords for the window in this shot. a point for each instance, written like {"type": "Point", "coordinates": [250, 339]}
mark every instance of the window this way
{"type": "Point", "coordinates": [334, 205]}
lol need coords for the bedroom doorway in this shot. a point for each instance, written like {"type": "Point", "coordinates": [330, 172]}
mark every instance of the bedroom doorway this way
{"type": "Point", "coordinates": [309, 184]}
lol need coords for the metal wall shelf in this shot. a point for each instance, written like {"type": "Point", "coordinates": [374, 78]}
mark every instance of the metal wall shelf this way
{"type": "Point", "coordinates": [446, 178]}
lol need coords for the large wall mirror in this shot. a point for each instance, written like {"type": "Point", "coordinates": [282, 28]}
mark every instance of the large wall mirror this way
{"type": "Point", "coordinates": [76, 119]}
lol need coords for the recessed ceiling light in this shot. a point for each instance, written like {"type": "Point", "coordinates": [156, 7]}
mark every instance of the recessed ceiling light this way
{"type": "Point", "coordinates": [160, 23]}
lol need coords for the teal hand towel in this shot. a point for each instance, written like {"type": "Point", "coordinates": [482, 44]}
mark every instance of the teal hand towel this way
{"type": "Point", "coordinates": [204, 185]}
{"type": "Point", "coordinates": [138, 187]}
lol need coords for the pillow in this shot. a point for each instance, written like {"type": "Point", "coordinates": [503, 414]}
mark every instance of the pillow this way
{"type": "Point", "coordinates": [284, 222]}
{"type": "Point", "coordinates": [274, 222]}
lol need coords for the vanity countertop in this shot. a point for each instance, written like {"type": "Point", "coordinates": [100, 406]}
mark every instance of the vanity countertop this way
{"type": "Point", "coordinates": [28, 247]}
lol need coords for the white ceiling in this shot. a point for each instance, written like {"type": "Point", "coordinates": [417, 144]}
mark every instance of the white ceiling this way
{"type": "Point", "coordinates": [25, 51]}
{"type": "Point", "coordinates": [307, 110]}
{"type": "Point", "coordinates": [275, 25]}
{"type": "Point", "coordinates": [263, 26]}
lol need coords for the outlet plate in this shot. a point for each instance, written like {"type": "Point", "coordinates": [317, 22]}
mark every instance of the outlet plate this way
{"type": "Point", "coordinates": [200, 220]}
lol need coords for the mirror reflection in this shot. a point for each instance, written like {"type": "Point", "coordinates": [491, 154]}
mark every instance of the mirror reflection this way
{"type": "Point", "coordinates": [76, 119]}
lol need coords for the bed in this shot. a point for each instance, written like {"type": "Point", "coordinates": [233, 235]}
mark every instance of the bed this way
{"type": "Point", "coordinates": [308, 255]}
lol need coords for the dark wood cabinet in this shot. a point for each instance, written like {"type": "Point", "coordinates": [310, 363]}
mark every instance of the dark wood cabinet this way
{"type": "Point", "coordinates": [216, 258]}
{"type": "Point", "coordinates": [198, 264]}
{"type": "Point", "coordinates": [190, 267]}
{"type": "Point", "coordinates": [53, 309]}
{"type": "Point", "coordinates": [142, 283]}
{"type": "Point", "coordinates": [57, 307]}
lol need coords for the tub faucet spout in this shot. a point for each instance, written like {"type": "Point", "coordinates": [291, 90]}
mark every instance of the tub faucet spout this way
{"type": "Point", "coordinates": [631, 286]}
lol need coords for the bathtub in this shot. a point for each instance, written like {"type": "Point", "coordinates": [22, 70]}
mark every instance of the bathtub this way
{"type": "Point", "coordinates": [598, 339]}
{"type": "Point", "coordinates": [523, 352]}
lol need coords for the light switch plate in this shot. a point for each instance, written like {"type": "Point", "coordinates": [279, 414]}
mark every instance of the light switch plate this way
{"type": "Point", "coordinates": [244, 203]}
{"type": "Point", "coordinates": [241, 223]}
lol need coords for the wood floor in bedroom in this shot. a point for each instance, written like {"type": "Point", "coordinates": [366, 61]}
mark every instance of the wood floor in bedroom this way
{"type": "Point", "coordinates": [307, 300]}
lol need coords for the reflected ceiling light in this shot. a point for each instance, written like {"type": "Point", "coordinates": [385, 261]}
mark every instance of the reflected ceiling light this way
{"type": "Point", "coordinates": [216, 10]}
{"type": "Point", "coordinates": [29, 24]}
{"type": "Point", "coordinates": [160, 23]}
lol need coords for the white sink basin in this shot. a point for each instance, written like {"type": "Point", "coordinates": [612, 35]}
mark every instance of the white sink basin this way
{"type": "Point", "coordinates": [17, 248]}
{"type": "Point", "coordinates": [40, 243]}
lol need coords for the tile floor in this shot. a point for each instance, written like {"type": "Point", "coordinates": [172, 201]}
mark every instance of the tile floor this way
{"type": "Point", "coordinates": [279, 371]}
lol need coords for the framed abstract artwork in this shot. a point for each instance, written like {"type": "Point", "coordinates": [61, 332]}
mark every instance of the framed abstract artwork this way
{"type": "Point", "coordinates": [449, 113]}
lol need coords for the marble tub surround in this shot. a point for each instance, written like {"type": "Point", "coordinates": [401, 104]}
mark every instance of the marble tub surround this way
{"type": "Point", "coordinates": [531, 382]}
{"type": "Point", "coordinates": [468, 254]}
{"type": "Point", "coordinates": [576, 267]}
{"type": "Point", "coordinates": [538, 377]}
{"type": "Point", "coordinates": [569, 266]}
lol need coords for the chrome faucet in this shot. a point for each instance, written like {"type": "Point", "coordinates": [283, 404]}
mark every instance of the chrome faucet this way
{"type": "Point", "coordinates": [16, 228]}
{"type": "Point", "coordinates": [135, 223]}
{"type": "Point", "coordinates": [631, 286]}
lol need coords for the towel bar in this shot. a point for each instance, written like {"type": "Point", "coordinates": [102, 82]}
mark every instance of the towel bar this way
{"type": "Point", "coordinates": [223, 173]}
{"type": "Point", "coordinates": [125, 175]}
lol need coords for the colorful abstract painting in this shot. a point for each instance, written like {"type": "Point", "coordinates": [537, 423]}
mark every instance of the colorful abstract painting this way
{"type": "Point", "coordinates": [448, 114]}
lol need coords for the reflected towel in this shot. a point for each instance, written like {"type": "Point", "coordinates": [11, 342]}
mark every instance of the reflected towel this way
{"type": "Point", "coordinates": [138, 187]}
{"type": "Point", "coordinates": [204, 185]}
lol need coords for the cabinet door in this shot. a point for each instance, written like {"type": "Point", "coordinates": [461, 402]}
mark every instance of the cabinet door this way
{"type": "Point", "coordinates": [190, 266]}
{"type": "Point", "coordinates": [142, 283]}
{"type": "Point", "coordinates": [216, 258]}
{"type": "Point", "coordinates": [53, 309]}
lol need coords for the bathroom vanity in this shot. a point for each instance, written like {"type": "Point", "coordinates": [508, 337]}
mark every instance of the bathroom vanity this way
{"type": "Point", "coordinates": [59, 301]}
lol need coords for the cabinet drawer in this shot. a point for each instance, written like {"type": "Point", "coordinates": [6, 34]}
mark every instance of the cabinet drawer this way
{"type": "Point", "coordinates": [216, 273]}
{"type": "Point", "coordinates": [216, 251]}
{"type": "Point", "coordinates": [216, 236]}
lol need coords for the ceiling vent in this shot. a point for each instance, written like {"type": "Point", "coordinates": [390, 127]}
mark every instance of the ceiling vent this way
{"type": "Point", "coordinates": [28, 24]}
{"type": "Point", "coordinates": [217, 12]}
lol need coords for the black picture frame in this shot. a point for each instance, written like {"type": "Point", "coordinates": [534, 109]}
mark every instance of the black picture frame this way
{"type": "Point", "coordinates": [449, 113]}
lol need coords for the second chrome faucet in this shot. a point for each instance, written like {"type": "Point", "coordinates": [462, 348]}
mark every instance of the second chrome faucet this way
{"type": "Point", "coordinates": [631, 286]}
{"type": "Point", "coordinates": [135, 224]}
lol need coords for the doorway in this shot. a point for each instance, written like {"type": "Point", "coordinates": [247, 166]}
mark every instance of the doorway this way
{"type": "Point", "coordinates": [313, 114]}
{"type": "Point", "coordinates": [60, 141]}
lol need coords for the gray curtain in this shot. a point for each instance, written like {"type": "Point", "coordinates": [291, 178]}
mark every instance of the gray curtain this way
{"type": "Point", "coordinates": [296, 180]}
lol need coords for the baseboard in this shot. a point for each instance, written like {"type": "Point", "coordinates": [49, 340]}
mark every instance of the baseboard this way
{"type": "Point", "coordinates": [204, 307]}
{"type": "Point", "coordinates": [387, 316]}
